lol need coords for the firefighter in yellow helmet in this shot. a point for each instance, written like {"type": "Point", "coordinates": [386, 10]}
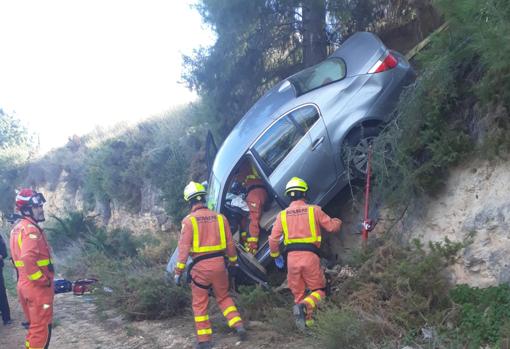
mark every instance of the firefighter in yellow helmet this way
{"type": "Point", "coordinates": [301, 225]}
{"type": "Point", "coordinates": [206, 236]}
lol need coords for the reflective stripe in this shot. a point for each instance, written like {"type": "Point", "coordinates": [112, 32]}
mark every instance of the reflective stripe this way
{"type": "Point", "coordinates": [311, 223]}
{"type": "Point", "coordinates": [252, 239]}
{"type": "Point", "coordinates": [196, 239]}
{"type": "Point", "coordinates": [232, 259]}
{"type": "Point", "coordinates": [35, 276]}
{"type": "Point", "coordinates": [205, 331]}
{"type": "Point", "coordinates": [234, 321]}
{"type": "Point", "coordinates": [40, 263]}
{"type": "Point", "coordinates": [19, 239]}
{"type": "Point", "coordinates": [27, 344]}
{"type": "Point", "coordinates": [43, 262]}
{"type": "Point", "coordinates": [309, 322]}
{"type": "Point", "coordinates": [181, 265]}
{"type": "Point", "coordinates": [274, 254]}
{"type": "Point", "coordinates": [310, 301]}
{"type": "Point", "coordinates": [316, 295]}
{"type": "Point", "coordinates": [201, 318]}
{"type": "Point", "coordinates": [229, 310]}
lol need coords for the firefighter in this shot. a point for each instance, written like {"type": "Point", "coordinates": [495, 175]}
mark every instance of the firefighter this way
{"type": "Point", "coordinates": [256, 196]}
{"type": "Point", "coordinates": [31, 256]}
{"type": "Point", "coordinates": [301, 225]}
{"type": "Point", "coordinates": [206, 236]}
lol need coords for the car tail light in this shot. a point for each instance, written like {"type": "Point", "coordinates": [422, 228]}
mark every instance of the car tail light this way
{"type": "Point", "coordinates": [387, 62]}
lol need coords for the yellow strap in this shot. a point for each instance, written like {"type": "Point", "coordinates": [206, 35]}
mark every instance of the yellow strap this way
{"type": "Point", "coordinates": [196, 237]}
{"type": "Point", "coordinates": [201, 318]}
{"type": "Point", "coordinates": [316, 295]}
{"type": "Point", "coordinates": [310, 301]}
{"type": "Point", "coordinates": [35, 276]}
{"type": "Point", "coordinates": [205, 331]}
{"type": "Point", "coordinates": [229, 310]}
{"type": "Point", "coordinates": [232, 259]}
{"type": "Point", "coordinates": [274, 254]}
{"type": "Point", "coordinates": [233, 321]}
{"type": "Point", "coordinates": [181, 265]}
{"type": "Point", "coordinates": [252, 239]}
{"type": "Point", "coordinates": [313, 238]}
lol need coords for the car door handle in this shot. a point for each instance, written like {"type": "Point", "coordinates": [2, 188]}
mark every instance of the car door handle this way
{"type": "Point", "coordinates": [317, 142]}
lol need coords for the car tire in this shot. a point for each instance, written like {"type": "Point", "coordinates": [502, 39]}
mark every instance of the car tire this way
{"type": "Point", "coordinates": [355, 150]}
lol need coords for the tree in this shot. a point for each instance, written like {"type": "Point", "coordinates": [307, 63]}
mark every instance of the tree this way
{"type": "Point", "coordinates": [260, 42]}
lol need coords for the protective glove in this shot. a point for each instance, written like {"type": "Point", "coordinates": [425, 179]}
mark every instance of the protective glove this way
{"type": "Point", "coordinates": [177, 279]}
{"type": "Point", "coordinates": [279, 262]}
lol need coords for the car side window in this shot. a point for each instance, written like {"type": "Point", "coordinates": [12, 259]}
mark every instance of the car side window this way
{"type": "Point", "coordinates": [306, 116]}
{"type": "Point", "coordinates": [277, 142]}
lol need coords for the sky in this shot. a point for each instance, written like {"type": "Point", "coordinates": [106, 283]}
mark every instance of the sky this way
{"type": "Point", "coordinates": [67, 66]}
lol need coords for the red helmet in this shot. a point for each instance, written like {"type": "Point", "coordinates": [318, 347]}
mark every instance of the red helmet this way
{"type": "Point", "coordinates": [28, 198]}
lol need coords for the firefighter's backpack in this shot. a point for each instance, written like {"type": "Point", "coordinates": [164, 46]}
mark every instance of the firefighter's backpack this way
{"type": "Point", "coordinates": [62, 286]}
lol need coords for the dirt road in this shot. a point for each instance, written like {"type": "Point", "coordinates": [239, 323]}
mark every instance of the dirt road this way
{"type": "Point", "coordinates": [78, 325]}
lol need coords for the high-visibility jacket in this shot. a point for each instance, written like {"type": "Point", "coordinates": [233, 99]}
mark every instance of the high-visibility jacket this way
{"type": "Point", "coordinates": [204, 232]}
{"type": "Point", "coordinates": [301, 223]}
{"type": "Point", "coordinates": [31, 253]}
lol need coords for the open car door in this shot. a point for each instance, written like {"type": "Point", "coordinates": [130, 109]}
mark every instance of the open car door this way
{"type": "Point", "coordinates": [210, 152]}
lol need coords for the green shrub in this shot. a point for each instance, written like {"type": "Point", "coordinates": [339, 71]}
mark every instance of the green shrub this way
{"type": "Point", "coordinates": [484, 313]}
{"type": "Point", "coordinates": [259, 304]}
{"type": "Point", "coordinates": [336, 328]}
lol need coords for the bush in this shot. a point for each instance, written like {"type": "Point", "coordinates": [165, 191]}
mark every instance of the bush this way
{"type": "Point", "coordinates": [144, 295]}
{"type": "Point", "coordinates": [336, 328]}
{"type": "Point", "coordinates": [259, 304]}
{"type": "Point", "coordinates": [484, 314]}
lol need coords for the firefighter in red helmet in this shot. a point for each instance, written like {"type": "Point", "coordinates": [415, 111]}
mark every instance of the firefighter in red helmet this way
{"type": "Point", "coordinates": [206, 236]}
{"type": "Point", "coordinates": [31, 256]}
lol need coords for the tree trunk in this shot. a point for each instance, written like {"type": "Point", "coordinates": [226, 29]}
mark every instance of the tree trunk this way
{"type": "Point", "coordinates": [314, 35]}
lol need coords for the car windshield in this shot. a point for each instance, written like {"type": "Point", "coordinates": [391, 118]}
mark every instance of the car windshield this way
{"type": "Point", "coordinates": [331, 70]}
{"type": "Point", "coordinates": [213, 192]}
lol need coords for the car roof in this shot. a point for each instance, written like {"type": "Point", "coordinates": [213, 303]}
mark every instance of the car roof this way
{"type": "Point", "coordinates": [282, 98]}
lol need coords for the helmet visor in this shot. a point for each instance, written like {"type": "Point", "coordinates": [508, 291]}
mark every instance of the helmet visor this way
{"type": "Point", "coordinates": [37, 200]}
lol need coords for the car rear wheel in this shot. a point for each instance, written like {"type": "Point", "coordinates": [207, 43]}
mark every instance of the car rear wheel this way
{"type": "Point", "coordinates": [355, 150]}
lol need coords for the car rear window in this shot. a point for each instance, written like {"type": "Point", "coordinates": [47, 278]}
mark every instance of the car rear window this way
{"type": "Point", "coordinates": [331, 70]}
{"type": "Point", "coordinates": [277, 142]}
{"type": "Point", "coordinates": [306, 116]}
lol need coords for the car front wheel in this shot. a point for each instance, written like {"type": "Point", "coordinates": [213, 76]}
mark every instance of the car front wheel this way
{"type": "Point", "coordinates": [355, 151]}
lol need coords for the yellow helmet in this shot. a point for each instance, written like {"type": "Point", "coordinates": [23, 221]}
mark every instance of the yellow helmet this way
{"type": "Point", "coordinates": [296, 184]}
{"type": "Point", "coordinates": [193, 189]}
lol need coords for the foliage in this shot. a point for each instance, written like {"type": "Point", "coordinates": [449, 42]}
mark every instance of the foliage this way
{"type": "Point", "coordinates": [463, 75]}
{"type": "Point", "coordinates": [398, 290]}
{"type": "Point", "coordinates": [262, 42]}
{"type": "Point", "coordinates": [484, 313]}
{"type": "Point", "coordinates": [337, 328]}
{"type": "Point", "coordinates": [259, 304]}
{"type": "Point", "coordinates": [129, 269]}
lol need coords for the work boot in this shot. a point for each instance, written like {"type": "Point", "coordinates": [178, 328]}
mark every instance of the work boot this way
{"type": "Point", "coordinates": [299, 311]}
{"type": "Point", "coordinates": [25, 324]}
{"type": "Point", "coordinates": [7, 322]}
{"type": "Point", "coordinates": [241, 333]}
{"type": "Point", "coordinates": [204, 345]}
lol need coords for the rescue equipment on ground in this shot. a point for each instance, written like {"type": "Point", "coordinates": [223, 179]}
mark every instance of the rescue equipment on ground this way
{"type": "Point", "coordinates": [62, 286]}
{"type": "Point", "coordinates": [83, 286]}
{"type": "Point", "coordinates": [368, 224]}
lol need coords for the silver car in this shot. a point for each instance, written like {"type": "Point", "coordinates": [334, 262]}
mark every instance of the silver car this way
{"type": "Point", "coordinates": [301, 126]}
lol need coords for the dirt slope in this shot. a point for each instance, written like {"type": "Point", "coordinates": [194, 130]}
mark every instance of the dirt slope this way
{"type": "Point", "coordinates": [78, 325]}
